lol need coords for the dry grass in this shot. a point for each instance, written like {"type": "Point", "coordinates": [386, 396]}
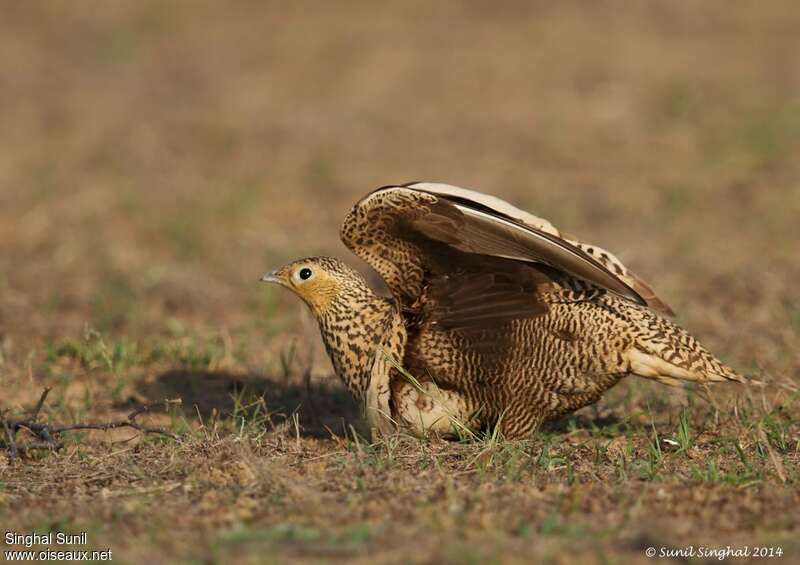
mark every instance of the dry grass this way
{"type": "Point", "coordinates": [155, 160]}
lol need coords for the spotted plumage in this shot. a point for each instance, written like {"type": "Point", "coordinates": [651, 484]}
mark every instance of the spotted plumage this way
{"type": "Point", "coordinates": [496, 317]}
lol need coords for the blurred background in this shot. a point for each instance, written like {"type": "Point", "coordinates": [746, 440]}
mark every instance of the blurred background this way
{"type": "Point", "coordinates": [156, 158]}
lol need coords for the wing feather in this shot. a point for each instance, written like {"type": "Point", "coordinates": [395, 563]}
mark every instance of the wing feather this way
{"type": "Point", "coordinates": [606, 258]}
{"type": "Point", "coordinates": [413, 234]}
{"type": "Point", "coordinates": [482, 233]}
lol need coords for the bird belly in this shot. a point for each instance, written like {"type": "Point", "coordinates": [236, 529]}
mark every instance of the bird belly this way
{"type": "Point", "coordinates": [525, 371]}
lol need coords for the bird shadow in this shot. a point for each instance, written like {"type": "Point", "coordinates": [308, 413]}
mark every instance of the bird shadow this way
{"type": "Point", "coordinates": [322, 408]}
{"type": "Point", "coordinates": [582, 422]}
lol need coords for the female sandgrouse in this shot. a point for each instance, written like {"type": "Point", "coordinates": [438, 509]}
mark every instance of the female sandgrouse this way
{"type": "Point", "coordinates": [496, 318]}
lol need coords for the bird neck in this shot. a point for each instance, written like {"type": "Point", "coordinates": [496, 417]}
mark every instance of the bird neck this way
{"type": "Point", "coordinates": [352, 329]}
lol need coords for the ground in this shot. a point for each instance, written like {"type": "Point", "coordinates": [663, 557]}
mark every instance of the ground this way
{"type": "Point", "coordinates": [157, 158]}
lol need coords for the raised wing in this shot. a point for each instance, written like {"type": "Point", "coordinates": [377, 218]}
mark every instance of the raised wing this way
{"type": "Point", "coordinates": [420, 234]}
{"type": "Point", "coordinates": [606, 258]}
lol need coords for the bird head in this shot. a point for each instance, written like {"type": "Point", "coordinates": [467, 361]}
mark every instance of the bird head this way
{"type": "Point", "coordinates": [319, 281]}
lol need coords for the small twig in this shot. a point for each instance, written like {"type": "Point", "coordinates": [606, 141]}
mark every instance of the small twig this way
{"type": "Point", "coordinates": [12, 445]}
{"type": "Point", "coordinates": [47, 433]}
{"type": "Point", "coordinates": [42, 398]}
{"type": "Point", "coordinates": [130, 422]}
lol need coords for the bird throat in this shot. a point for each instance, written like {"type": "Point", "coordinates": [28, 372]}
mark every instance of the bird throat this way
{"type": "Point", "coordinates": [352, 329]}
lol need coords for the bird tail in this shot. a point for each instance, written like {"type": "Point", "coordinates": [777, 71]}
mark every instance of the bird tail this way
{"type": "Point", "coordinates": [648, 365]}
{"type": "Point", "coordinates": [667, 353]}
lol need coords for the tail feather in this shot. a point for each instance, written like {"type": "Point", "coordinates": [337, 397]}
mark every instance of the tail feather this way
{"type": "Point", "coordinates": [647, 365]}
{"type": "Point", "coordinates": [666, 352]}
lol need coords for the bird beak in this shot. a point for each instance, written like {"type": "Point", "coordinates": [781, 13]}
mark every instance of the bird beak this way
{"type": "Point", "coordinates": [271, 277]}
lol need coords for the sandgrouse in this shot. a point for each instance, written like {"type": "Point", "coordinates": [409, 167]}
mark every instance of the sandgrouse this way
{"type": "Point", "coordinates": [497, 319]}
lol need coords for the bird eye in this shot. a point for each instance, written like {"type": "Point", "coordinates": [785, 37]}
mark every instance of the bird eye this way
{"type": "Point", "coordinates": [305, 273]}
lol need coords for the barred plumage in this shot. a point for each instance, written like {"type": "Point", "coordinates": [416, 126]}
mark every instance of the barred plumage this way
{"type": "Point", "coordinates": [497, 318]}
